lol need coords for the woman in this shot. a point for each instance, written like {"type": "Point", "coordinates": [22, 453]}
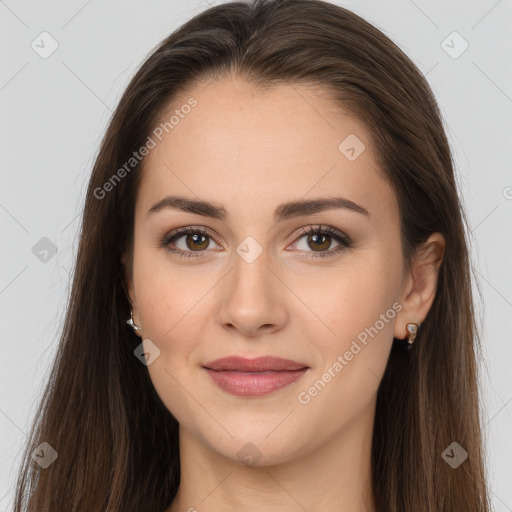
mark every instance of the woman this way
{"type": "Point", "coordinates": [273, 212]}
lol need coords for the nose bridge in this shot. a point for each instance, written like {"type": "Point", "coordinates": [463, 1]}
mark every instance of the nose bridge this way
{"type": "Point", "coordinates": [251, 268]}
{"type": "Point", "coordinates": [252, 298]}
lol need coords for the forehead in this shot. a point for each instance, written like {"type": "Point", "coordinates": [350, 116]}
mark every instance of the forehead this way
{"type": "Point", "coordinates": [261, 148]}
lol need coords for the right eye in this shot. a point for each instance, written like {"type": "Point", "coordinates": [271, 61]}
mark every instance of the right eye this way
{"type": "Point", "coordinates": [196, 241]}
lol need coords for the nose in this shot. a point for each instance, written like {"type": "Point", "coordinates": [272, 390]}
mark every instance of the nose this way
{"type": "Point", "coordinates": [254, 297]}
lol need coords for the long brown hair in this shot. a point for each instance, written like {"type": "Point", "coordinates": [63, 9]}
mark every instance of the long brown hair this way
{"type": "Point", "coordinates": [117, 443]}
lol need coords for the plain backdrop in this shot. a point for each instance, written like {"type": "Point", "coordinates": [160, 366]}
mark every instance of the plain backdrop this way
{"type": "Point", "coordinates": [53, 114]}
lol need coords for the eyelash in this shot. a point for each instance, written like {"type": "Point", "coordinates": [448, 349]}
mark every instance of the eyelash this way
{"type": "Point", "coordinates": [344, 241]}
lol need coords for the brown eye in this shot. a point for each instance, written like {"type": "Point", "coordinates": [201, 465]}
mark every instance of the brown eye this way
{"type": "Point", "coordinates": [196, 241]}
{"type": "Point", "coordinates": [319, 240]}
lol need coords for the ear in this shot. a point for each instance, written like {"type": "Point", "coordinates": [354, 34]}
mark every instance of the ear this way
{"type": "Point", "coordinates": [420, 285]}
{"type": "Point", "coordinates": [127, 272]}
{"type": "Point", "coordinates": [128, 277]}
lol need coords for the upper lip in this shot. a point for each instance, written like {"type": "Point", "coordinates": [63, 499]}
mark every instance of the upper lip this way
{"type": "Point", "coordinates": [259, 364]}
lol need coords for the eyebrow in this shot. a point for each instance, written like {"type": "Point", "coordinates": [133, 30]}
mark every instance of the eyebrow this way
{"type": "Point", "coordinates": [283, 211]}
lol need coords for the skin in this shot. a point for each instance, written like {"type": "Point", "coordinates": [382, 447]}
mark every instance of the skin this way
{"type": "Point", "coordinates": [249, 152]}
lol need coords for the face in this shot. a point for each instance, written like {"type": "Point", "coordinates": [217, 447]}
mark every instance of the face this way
{"type": "Point", "coordinates": [256, 283]}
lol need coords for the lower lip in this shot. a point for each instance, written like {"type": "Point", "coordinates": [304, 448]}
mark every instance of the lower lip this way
{"type": "Point", "coordinates": [254, 383]}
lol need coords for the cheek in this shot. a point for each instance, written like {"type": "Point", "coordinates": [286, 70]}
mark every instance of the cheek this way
{"type": "Point", "coordinates": [356, 315]}
{"type": "Point", "coordinates": [344, 302]}
{"type": "Point", "coordinates": [345, 385]}
{"type": "Point", "coordinates": [169, 299]}
{"type": "Point", "coordinates": [172, 316]}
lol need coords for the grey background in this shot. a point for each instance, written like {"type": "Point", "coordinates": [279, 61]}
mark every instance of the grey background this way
{"type": "Point", "coordinates": [54, 112]}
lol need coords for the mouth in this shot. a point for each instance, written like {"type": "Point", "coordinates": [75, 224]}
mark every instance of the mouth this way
{"type": "Point", "coordinates": [254, 377]}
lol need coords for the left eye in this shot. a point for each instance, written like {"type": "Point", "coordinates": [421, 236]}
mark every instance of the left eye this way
{"type": "Point", "coordinates": [321, 238]}
{"type": "Point", "coordinates": [197, 240]}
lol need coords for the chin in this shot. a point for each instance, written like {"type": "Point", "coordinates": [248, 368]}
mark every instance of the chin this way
{"type": "Point", "coordinates": [256, 447]}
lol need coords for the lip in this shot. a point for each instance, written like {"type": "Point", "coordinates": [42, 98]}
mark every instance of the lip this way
{"type": "Point", "coordinates": [254, 377]}
{"type": "Point", "coordinates": [258, 364]}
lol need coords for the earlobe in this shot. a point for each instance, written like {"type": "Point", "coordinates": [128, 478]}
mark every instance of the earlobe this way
{"type": "Point", "coordinates": [136, 328]}
{"type": "Point", "coordinates": [421, 285]}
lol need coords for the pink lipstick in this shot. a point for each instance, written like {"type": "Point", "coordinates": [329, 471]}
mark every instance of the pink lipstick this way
{"type": "Point", "coordinates": [254, 377]}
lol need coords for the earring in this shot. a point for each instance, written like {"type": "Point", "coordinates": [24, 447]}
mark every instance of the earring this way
{"type": "Point", "coordinates": [130, 322]}
{"type": "Point", "coordinates": [412, 330]}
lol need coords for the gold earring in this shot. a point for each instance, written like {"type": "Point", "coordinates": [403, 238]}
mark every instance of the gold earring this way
{"type": "Point", "coordinates": [412, 330]}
